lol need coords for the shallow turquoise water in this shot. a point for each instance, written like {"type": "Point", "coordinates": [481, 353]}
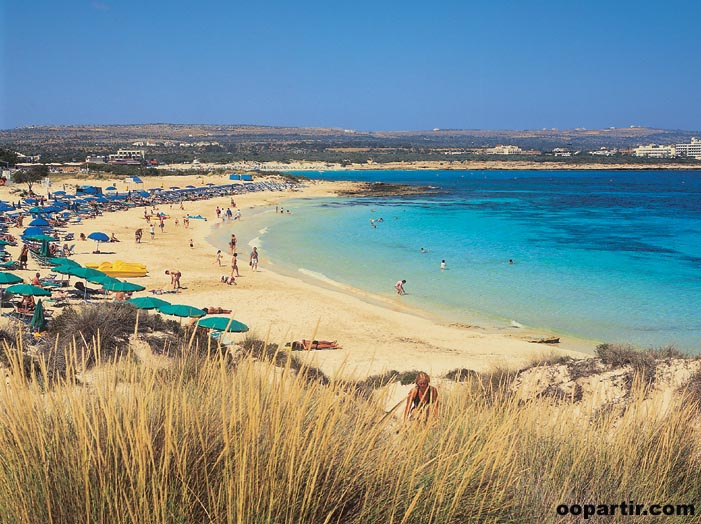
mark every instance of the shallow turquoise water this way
{"type": "Point", "coordinates": [606, 256]}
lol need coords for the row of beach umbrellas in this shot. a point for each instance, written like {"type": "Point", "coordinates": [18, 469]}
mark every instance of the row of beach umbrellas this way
{"type": "Point", "coordinates": [183, 310]}
{"type": "Point", "coordinates": [72, 268]}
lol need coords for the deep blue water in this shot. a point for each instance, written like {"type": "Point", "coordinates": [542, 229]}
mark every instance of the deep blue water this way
{"type": "Point", "coordinates": [608, 256]}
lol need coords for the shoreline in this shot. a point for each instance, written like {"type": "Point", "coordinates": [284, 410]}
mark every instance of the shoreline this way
{"type": "Point", "coordinates": [476, 320]}
{"type": "Point", "coordinates": [374, 337]}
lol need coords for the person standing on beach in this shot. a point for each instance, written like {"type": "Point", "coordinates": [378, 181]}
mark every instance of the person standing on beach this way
{"type": "Point", "coordinates": [443, 265]}
{"type": "Point", "coordinates": [254, 259]}
{"type": "Point", "coordinates": [152, 231]}
{"type": "Point", "coordinates": [235, 265]}
{"type": "Point", "coordinates": [399, 286]}
{"type": "Point", "coordinates": [23, 257]}
{"type": "Point", "coordinates": [219, 257]}
{"type": "Point", "coordinates": [232, 243]}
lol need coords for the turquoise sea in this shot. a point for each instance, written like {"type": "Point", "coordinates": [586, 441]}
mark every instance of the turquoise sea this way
{"type": "Point", "coordinates": [607, 256]}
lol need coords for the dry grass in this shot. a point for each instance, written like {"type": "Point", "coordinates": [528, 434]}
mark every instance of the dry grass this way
{"type": "Point", "coordinates": [208, 441]}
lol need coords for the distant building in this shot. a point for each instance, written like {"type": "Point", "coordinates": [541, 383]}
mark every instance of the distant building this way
{"type": "Point", "coordinates": [504, 150]}
{"type": "Point", "coordinates": [560, 151]}
{"type": "Point", "coordinates": [95, 159]}
{"type": "Point", "coordinates": [127, 155]}
{"type": "Point", "coordinates": [655, 151]}
{"type": "Point", "coordinates": [690, 150]}
{"type": "Point", "coordinates": [604, 151]}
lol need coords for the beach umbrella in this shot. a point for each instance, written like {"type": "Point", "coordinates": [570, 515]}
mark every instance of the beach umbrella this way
{"type": "Point", "coordinates": [59, 192]}
{"type": "Point", "coordinates": [182, 310]}
{"type": "Point", "coordinates": [28, 289]}
{"type": "Point", "coordinates": [66, 269]}
{"type": "Point", "coordinates": [62, 261]}
{"type": "Point", "coordinates": [223, 324]}
{"type": "Point", "coordinates": [4, 242]}
{"type": "Point", "coordinates": [39, 222]}
{"type": "Point", "coordinates": [110, 188]}
{"type": "Point", "coordinates": [38, 321]}
{"type": "Point", "coordinates": [86, 273]}
{"type": "Point", "coordinates": [30, 231]}
{"type": "Point", "coordinates": [148, 302]}
{"type": "Point", "coordinates": [120, 285]}
{"type": "Point", "coordinates": [104, 280]}
{"type": "Point", "coordinates": [40, 238]}
{"type": "Point", "coordinates": [4, 206]}
{"type": "Point", "coordinates": [99, 236]}
{"type": "Point", "coordinates": [7, 278]}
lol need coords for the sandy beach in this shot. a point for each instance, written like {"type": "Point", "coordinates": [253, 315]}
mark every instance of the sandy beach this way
{"type": "Point", "coordinates": [375, 335]}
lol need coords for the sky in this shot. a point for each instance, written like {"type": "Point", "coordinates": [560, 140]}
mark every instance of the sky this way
{"type": "Point", "coordinates": [360, 64]}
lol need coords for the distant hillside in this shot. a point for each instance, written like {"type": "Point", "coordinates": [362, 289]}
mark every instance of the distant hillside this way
{"type": "Point", "coordinates": [229, 142]}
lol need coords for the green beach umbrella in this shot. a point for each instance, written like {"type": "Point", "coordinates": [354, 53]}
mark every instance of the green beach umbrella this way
{"type": "Point", "coordinates": [4, 242]}
{"type": "Point", "coordinates": [105, 280]}
{"type": "Point", "coordinates": [41, 238]}
{"type": "Point", "coordinates": [7, 278]}
{"type": "Point", "coordinates": [28, 289]}
{"type": "Point", "coordinates": [122, 286]}
{"type": "Point", "coordinates": [223, 324]}
{"type": "Point", "coordinates": [61, 261]}
{"type": "Point", "coordinates": [86, 273]}
{"type": "Point", "coordinates": [38, 321]}
{"type": "Point", "coordinates": [182, 310]}
{"type": "Point", "coordinates": [148, 302]}
{"type": "Point", "coordinates": [45, 250]}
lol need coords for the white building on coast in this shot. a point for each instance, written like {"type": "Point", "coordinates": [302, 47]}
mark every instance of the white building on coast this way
{"type": "Point", "coordinates": [504, 150]}
{"type": "Point", "coordinates": [690, 150]}
{"type": "Point", "coordinates": [655, 151]}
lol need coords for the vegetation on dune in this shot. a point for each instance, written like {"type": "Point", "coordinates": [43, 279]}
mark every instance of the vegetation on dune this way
{"type": "Point", "coordinates": [257, 436]}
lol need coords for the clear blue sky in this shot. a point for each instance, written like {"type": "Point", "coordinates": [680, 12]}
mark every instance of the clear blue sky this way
{"type": "Point", "coordinates": [360, 64]}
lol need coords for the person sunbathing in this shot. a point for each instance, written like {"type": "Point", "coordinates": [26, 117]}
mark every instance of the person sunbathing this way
{"type": "Point", "coordinates": [27, 303]}
{"type": "Point", "coordinates": [215, 310]}
{"type": "Point", "coordinates": [313, 344]}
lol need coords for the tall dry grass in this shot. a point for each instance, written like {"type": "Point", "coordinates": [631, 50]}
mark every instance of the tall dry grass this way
{"type": "Point", "coordinates": [208, 440]}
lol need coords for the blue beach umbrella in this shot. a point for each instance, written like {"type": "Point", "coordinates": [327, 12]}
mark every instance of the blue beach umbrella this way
{"type": "Point", "coordinates": [98, 236]}
{"type": "Point", "coordinates": [39, 222]}
{"type": "Point", "coordinates": [32, 231]}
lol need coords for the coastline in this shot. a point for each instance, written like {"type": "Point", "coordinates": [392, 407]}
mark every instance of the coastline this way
{"type": "Point", "coordinates": [477, 165]}
{"type": "Point", "coordinates": [375, 335]}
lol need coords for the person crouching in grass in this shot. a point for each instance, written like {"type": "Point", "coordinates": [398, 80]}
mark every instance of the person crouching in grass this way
{"type": "Point", "coordinates": [422, 401]}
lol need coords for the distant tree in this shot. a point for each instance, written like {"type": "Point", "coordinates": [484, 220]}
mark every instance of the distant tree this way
{"type": "Point", "coordinates": [30, 176]}
{"type": "Point", "coordinates": [7, 156]}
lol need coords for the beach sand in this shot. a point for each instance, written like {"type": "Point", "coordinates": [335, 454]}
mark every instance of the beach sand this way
{"type": "Point", "coordinates": [375, 335]}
